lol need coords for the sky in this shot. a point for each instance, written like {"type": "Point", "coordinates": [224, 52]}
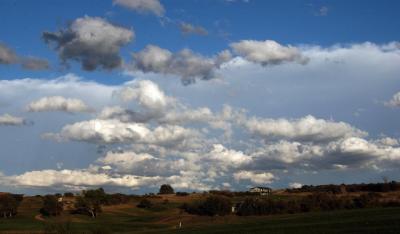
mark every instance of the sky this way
{"type": "Point", "coordinates": [213, 94]}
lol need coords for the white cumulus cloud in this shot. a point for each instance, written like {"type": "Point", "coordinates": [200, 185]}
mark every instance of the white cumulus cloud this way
{"type": "Point", "coordinates": [307, 128]}
{"type": "Point", "coordinates": [10, 120]}
{"type": "Point", "coordinates": [145, 6]}
{"type": "Point", "coordinates": [395, 101]}
{"type": "Point", "coordinates": [254, 177]}
{"type": "Point", "coordinates": [268, 52]}
{"type": "Point", "coordinates": [58, 103]}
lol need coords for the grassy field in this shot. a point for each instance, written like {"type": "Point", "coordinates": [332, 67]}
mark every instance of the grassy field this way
{"type": "Point", "coordinates": [165, 218]}
{"type": "Point", "coordinates": [355, 221]}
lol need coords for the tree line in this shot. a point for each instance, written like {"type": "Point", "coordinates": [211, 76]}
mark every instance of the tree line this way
{"type": "Point", "coordinates": [215, 202]}
{"type": "Point", "coordinates": [265, 205]}
{"type": "Point", "coordinates": [333, 188]}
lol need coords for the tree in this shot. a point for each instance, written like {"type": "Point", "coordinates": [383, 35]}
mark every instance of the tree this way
{"type": "Point", "coordinates": [8, 205]}
{"type": "Point", "coordinates": [166, 189]}
{"type": "Point", "coordinates": [90, 202]}
{"type": "Point", "coordinates": [51, 206]}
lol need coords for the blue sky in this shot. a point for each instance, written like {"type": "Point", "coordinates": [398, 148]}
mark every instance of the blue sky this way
{"type": "Point", "coordinates": [211, 93]}
{"type": "Point", "coordinates": [289, 22]}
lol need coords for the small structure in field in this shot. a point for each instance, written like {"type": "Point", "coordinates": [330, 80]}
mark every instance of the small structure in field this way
{"type": "Point", "coordinates": [343, 188]}
{"type": "Point", "coordinates": [261, 190]}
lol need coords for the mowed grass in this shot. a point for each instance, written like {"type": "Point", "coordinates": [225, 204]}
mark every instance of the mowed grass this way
{"type": "Point", "coordinates": [380, 220]}
{"type": "Point", "coordinates": [165, 219]}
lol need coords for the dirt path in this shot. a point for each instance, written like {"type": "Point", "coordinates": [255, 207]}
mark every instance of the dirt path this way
{"type": "Point", "coordinates": [39, 218]}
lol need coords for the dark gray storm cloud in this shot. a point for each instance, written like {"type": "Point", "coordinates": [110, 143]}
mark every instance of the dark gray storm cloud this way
{"type": "Point", "coordinates": [92, 41]}
{"type": "Point", "coordinates": [186, 64]}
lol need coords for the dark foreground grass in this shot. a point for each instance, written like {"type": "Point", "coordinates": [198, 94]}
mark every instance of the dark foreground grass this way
{"type": "Point", "coordinates": [379, 220]}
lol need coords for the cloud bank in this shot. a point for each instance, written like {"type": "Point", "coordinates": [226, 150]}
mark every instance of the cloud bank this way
{"type": "Point", "coordinates": [260, 125]}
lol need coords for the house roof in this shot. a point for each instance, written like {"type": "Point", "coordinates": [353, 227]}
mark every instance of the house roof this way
{"type": "Point", "coordinates": [261, 188]}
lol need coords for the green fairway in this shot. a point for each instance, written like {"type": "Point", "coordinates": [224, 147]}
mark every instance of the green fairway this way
{"type": "Point", "coordinates": [355, 221]}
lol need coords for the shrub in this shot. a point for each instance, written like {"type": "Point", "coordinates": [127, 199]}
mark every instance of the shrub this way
{"type": "Point", "coordinates": [68, 194]}
{"type": "Point", "coordinates": [391, 203]}
{"type": "Point", "coordinates": [115, 199]}
{"type": "Point", "coordinates": [212, 205]}
{"type": "Point", "coordinates": [367, 200]}
{"type": "Point", "coordinates": [182, 194]}
{"type": "Point", "coordinates": [266, 206]}
{"type": "Point", "coordinates": [145, 203]}
{"type": "Point", "coordinates": [247, 207]}
{"type": "Point", "coordinates": [226, 193]}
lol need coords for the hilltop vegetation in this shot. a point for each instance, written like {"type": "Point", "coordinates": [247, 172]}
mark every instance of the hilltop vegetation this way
{"type": "Point", "coordinates": [285, 211]}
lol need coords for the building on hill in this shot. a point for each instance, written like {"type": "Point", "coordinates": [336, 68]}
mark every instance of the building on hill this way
{"type": "Point", "coordinates": [261, 190]}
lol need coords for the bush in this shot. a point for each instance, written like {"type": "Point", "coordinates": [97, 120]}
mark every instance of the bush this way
{"type": "Point", "coordinates": [225, 193]}
{"type": "Point", "coordinates": [391, 203]}
{"type": "Point", "coordinates": [144, 203]}
{"type": "Point", "coordinates": [212, 205]}
{"type": "Point", "coordinates": [264, 206]}
{"type": "Point", "coordinates": [367, 200]}
{"type": "Point", "coordinates": [116, 199]}
{"type": "Point", "coordinates": [182, 194]}
{"type": "Point", "coordinates": [68, 194]}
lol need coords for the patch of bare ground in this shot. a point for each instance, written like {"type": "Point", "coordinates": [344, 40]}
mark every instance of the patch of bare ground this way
{"type": "Point", "coordinates": [39, 217]}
